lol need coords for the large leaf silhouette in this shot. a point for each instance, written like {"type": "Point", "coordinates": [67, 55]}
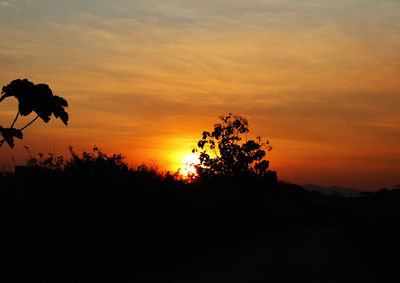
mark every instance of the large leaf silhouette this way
{"type": "Point", "coordinates": [31, 98]}
{"type": "Point", "coordinates": [37, 98]}
{"type": "Point", "coordinates": [9, 134]}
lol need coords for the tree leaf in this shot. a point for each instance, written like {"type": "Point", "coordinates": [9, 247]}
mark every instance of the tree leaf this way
{"type": "Point", "coordinates": [9, 134]}
{"type": "Point", "coordinates": [38, 98]}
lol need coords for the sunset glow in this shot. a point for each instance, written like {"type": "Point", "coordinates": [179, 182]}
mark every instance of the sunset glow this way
{"type": "Point", "coordinates": [189, 161]}
{"type": "Point", "coordinates": [319, 79]}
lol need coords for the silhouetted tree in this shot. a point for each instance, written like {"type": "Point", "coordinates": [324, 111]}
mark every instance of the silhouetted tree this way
{"type": "Point", "coordinates": [31, 98]}
{"type": "Point", "coordinates": [227, 152]}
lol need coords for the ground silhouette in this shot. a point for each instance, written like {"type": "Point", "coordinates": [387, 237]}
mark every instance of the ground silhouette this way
{"type": "Point", "coordinates": [96, 219]}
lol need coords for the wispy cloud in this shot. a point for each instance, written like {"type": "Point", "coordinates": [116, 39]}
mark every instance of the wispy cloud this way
{"type": "Point", "coordinates": [5, 4]}
{"type": "Point", "coordinates": [312, 75]}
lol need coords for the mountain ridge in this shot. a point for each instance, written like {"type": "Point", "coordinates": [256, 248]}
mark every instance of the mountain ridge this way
{"type": "Point", "coordinates": [346, 192]}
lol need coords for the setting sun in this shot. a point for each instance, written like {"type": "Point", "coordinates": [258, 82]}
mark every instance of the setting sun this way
{"type": "Point", "coordinates": [189, 161]}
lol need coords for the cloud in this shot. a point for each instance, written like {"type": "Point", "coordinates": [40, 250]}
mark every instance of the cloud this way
{"type": "Point", "coordinates": [5, 4]}
{"type": "Point", "coordinates": [10, 3]}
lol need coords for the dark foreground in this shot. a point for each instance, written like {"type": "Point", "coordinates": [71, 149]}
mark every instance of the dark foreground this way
{"type": "Point", "coordinates": [137, 227]}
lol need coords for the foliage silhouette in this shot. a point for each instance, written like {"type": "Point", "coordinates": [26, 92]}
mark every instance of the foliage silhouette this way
{"type": "Point", "coordinates": [96, 163]}
{"type": "Point", "coordinates": [50, 162]}
{"type": "Point", "coordinates": [227, 152]}
{"type": "Point", "coordinates": [9, 134]}
{"type": "Point", "coordinates": [31, 98]}
{"type": "Point", "coordinates": [98, 221]}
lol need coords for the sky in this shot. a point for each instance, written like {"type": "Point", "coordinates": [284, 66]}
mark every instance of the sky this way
{"type": "Point", "coordinates": [319, 79]}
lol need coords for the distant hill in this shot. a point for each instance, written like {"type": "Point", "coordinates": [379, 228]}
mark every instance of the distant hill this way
{"type": "Point", "coordinates": [346, 192]}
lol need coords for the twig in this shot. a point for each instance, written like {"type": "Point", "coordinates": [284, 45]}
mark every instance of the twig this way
{"type": "Point", "coordinates": [29, 123]}
{"type": "Point", "coordinates": [15, 120]}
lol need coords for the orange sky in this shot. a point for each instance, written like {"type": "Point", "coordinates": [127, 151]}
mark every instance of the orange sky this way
{"type": "Point", "coordinates": [319, 79]}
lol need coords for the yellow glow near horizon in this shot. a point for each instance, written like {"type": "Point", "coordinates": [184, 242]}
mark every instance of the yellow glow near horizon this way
{"type": "Point", "coordinates": [189, 161]}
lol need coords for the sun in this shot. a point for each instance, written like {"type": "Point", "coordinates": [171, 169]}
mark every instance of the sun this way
{"type": "Point", "coordinates": [189, 161]}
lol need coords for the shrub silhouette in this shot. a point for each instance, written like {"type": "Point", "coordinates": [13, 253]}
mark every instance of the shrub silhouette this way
{"type": "Point", "coordinates": [224, 151]}
{"type": "Point", "coordinates": [96, 163]}
{"type": "Point", "coordinates": [31, 98]}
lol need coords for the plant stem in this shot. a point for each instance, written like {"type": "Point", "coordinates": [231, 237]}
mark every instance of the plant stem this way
{"type": "Point", "coordinates": [29, 123]}
{"type": "Point", "coordinates": [15, 120]}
